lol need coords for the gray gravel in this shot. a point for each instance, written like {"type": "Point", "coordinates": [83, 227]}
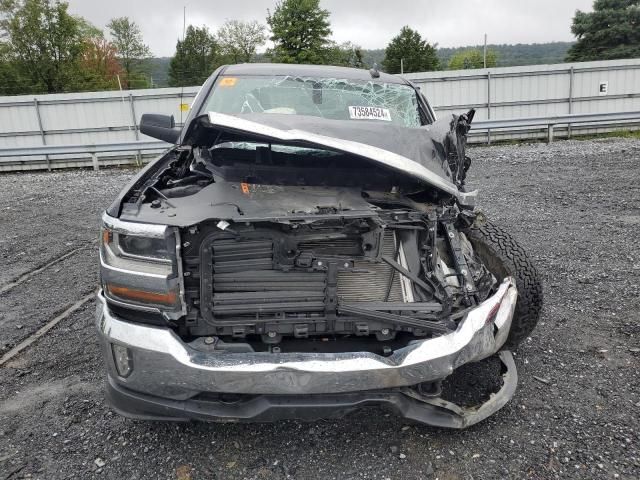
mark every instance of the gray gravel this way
{"type": "Point", "coordinates": [575, 206]}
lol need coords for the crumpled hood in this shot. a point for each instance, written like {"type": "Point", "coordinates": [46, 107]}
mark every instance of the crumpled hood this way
{"type": "Point", "coordinates": [419, 152]}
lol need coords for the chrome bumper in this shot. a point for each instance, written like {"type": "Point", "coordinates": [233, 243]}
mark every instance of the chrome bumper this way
{"type": "Point", "coordinates": [167, 367]}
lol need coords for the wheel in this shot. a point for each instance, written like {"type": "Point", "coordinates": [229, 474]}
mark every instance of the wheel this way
{"type": "Point", "coordinates": [502, 255]}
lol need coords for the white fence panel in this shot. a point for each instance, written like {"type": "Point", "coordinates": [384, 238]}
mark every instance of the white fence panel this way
{"type": "Point", "coordinates": [496, 93]}
{"type": "Point", "coordinates": [538, 90]}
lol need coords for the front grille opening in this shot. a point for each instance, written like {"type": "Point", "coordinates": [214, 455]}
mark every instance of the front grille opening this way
{"type": "Point", "coordinates": [253, 285]}
{"type": "Point", "coordinates": [246, 282]}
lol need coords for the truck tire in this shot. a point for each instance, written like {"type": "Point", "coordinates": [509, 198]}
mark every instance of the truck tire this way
{"type": "Point", "coordinates": [502, 255]}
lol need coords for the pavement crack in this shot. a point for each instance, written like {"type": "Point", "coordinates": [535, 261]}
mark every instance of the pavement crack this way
{"type": "Point", "coordinates": [26, 276]}
{"type": "Point", "coordinates": [44, 329]}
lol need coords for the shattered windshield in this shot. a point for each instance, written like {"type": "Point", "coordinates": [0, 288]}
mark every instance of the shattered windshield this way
{"type": "Point", "coordinates": [331, 98]}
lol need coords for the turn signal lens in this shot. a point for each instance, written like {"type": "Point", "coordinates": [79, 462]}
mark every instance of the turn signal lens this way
{"type": "Point", "coordinates": [169, 298]}
{"type": "Point", "coordinates": [107, 236]}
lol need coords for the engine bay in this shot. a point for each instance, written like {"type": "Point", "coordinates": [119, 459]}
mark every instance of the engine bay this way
{"type": "Point", "coordinates": [401, 273]}
{"type": "Point", "coordinates": [284, 244]}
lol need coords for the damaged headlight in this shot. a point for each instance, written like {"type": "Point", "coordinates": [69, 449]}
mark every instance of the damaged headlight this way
{"type": "Point", "coordinates": [139, 266]}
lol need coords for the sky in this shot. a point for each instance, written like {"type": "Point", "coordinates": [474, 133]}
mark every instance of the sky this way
{"type": "Point", "coordinates": [368, 23]}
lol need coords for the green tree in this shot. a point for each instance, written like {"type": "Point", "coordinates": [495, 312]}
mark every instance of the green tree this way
{"type": "Point", "coordinates": [43, 44]}
{"type": "Point", "coordinates": [611, 31]}
{"type": "Point", "coordinates": [195, 59]}
{"type": "Point", "coordinates": [346, 54]}
{"type": "Point", "coordinates": [300, 32]}
{"type": "Point", "coordinates": [132, 51]}
{"type": "Point", "coordinates": [10, 81]}
{"type": "Point", "coordinates": [417, 54]}
{"type": "Point", "coordinates": [472, 58]}
{"type": "Point", "coordinates": [87, 29]}
{"type": "Point", "coordinates": [239, 40]}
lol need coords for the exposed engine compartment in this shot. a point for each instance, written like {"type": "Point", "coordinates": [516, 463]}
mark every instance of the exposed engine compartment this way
{"type": "Point", "coordinates": [399, 273]}
{"type": "Point", "coordinates": [290, 242]}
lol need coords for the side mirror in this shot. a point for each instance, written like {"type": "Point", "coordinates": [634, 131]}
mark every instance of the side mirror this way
{"type": "Point", "coordinates": [159, 126]}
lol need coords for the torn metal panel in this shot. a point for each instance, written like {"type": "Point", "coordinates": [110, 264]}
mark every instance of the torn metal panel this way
{"type": "Point", "coordinates": [422, 152]}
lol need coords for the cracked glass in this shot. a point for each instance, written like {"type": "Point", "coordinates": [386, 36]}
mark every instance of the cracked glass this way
{"type": "Point", "coordinates": [331, 98]}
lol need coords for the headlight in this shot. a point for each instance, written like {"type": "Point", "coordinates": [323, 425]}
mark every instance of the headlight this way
{"type": "Point", "coordinates": [143, 247]}
{"type": "Point", "coordinates": [139, 266]}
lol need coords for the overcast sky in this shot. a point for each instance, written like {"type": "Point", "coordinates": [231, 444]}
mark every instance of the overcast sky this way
{"type": "Point", "coordinates": [368, 23]}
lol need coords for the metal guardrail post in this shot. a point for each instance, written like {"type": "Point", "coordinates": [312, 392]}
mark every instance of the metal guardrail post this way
{"type": "Point", "coordinates": [94, 161]}
{"type": "Point", "coordinates": [489, 106]}
{"type": "Point", "coordinates": [550, 133]}
{"type": "Point", "coordinates": [44, 140]}
{"type": "Point", "coordinates": [571, 74]}
{"type": "Point", "coordinates": [133, 117]}
{"type": "Point", "coordinates": [135, 128]}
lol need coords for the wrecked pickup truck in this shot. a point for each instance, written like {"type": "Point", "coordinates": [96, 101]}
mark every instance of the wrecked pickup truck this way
{"type": "Point", "coordinates": [307, 248]}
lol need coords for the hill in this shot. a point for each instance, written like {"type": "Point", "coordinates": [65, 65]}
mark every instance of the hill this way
{"type": "Point", "coordinates": [158, 70]}
{"type": "Point", "coordinates": [508, 56]}
{"type": "Point", "coordinates": [518, 54]}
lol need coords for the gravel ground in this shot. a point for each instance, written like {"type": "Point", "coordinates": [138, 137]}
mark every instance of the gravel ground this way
{"type": "Point", "coordinates": [574, 205]}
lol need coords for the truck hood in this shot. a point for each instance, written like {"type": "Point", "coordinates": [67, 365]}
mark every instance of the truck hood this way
{"type": "Point", "coordinates": [422, 153]}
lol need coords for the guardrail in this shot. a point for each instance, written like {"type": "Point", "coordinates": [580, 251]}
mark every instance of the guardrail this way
{"type": "Point", "coordinates": [599, 119]}
{"type": "Point", "coordinates": [480, 127]}
{"type": "Point", "coordinates": [8, 155]}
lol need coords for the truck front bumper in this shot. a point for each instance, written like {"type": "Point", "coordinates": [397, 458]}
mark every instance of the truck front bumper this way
{"type": "Point", "coordinates": [173, 379]}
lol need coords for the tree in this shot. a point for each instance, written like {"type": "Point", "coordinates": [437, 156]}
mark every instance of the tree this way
{"type": "Point", "coordinates": [196, 57]}
{"type": "Point", "coordinates": [43, 42]}
{"type": "Point", "coordinates": [346, 54]}
{"type": "Point", "coordinates": [127, 39]}
{"type": "Point", "coordinates": [99, 65]}
{"type": "Point", "coordinates": [240, 40]}
{"type": "Point", "coordinates": [10, 81]}
{"type": "Point", "coordinates": [417, 55]}
{"type": "Point", "coordinates": [611, 31]}
{"type": "Point", "coordinates": [87, 29]}
{"type": "Point", "coordinates": [472, 58]}
{"type": "Point", "coordinates": [299, 31]}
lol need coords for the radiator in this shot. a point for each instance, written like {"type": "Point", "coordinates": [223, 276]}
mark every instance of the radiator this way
{"type": "Point", "coordinates": [371, 286]}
